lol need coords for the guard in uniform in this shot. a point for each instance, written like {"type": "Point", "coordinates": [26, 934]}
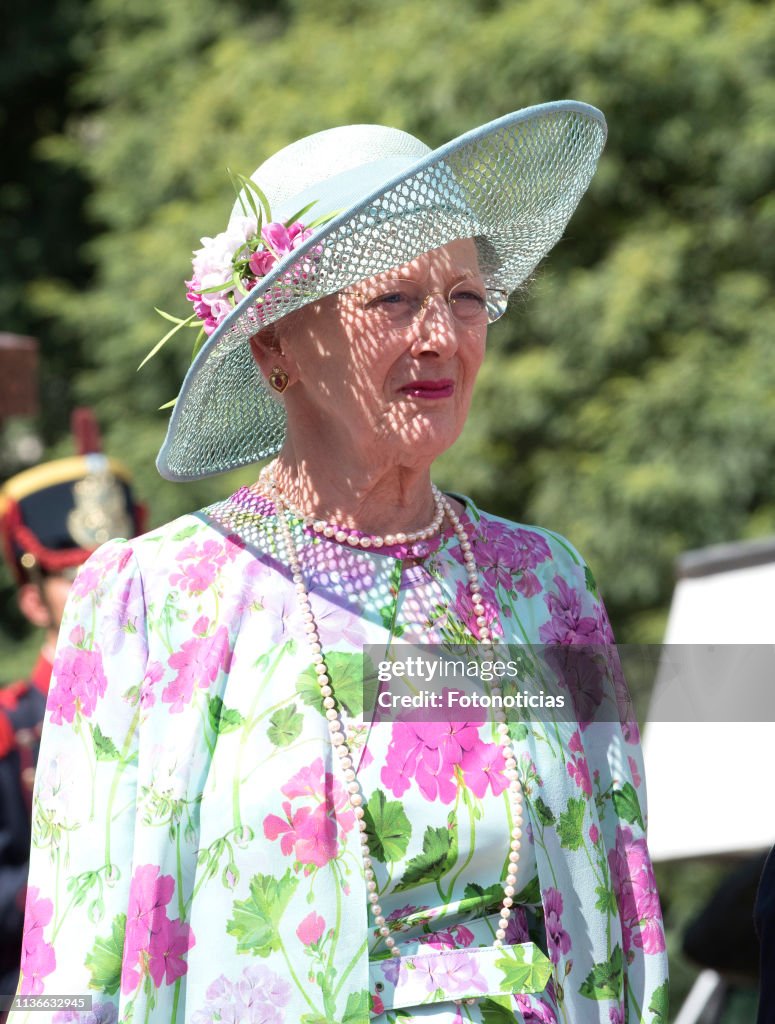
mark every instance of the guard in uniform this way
{"type": "Point", "coordinates": [51, 518]}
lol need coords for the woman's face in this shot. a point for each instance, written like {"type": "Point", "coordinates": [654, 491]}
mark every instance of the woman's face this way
{"type": "Point", "coordinates": [399, 394]}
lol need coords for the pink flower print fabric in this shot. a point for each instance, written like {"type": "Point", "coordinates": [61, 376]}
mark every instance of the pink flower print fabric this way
{"type": "Point", "coordinates": [557, 937]}
{"type": "Point", "coordinates": [196, 664]}
{"type": "Point", "coordinates": [155, 946]}
{"type": "Point", "coordinates": [636, 893]}
{"type": "Point", "coordinates": [257, 997]}
{"type": "Point", "coordinates": [311, 828]}
{"type": "Point", "coordinates": [196, 859]}
{"type": "Point", "coordinates": [80, 683]}
{"type": "Point", "coordinates": [38, 956]}
{"type": "Point", "coordinates": [432, 752]}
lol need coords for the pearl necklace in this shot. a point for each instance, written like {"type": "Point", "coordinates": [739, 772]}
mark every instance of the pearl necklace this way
{"type": "Point", "coordinates": [333, 531]}
{"type": "Point", "coordinates": [333, 712]}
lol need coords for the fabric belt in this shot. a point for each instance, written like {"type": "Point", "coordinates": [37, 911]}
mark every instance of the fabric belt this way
{"type": "Point", "coordinates": [432, 975]}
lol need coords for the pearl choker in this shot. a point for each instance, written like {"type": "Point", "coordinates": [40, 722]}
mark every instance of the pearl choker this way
{"type": "Point", "coordinates": [333, 712]}
{"type": "Point", "coordinates": [334, 531]}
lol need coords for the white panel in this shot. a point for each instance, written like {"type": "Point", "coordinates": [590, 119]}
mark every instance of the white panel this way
{"type": "Point", "coordinates": [711, 782]}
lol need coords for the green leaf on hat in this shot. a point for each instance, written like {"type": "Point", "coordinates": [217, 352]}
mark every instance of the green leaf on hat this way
{"type": "Point", "coordinates": [208, 291]}
{"type": "Point", "coordinates": [250, 189]}
{"type": "Point", "coordinates": [236, 280]}
{"type": "Point", "coordinates": [179, 324]}
{"type": "Point", "coordinates": [297, 216]}
{"type": "Point", "coordinates": [323, 219]}
{"type": "Point", "coordinates": [198, 342]}
{"type": "Point", "coordinates": [239, 181]}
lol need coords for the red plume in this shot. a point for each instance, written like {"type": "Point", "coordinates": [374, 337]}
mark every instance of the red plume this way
{"type": "Point", "coordinates": [85, 431]}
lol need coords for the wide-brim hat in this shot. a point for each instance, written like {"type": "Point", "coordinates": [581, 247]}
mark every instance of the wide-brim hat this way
{"type": "Point", "coordinates": [512, 185]}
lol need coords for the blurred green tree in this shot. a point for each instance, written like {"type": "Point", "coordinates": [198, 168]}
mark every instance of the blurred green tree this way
{"type": "Point", "coordinates": [41, 205]}
{"type": "Point", "coordinates": [43, 227]}
{"type": "Point", "coordinates": [628, 398]}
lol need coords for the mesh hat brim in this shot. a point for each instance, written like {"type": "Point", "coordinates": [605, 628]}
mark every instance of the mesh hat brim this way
{"type": "Point", "coordinates": [512, 185]}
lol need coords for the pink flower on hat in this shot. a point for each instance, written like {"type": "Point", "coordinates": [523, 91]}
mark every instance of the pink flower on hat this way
{"type": "Point", "coordinates": [239, 251]}
{"type": "Point", "coordinates": [211, 288]}
{"type": "Point", "coordinates": [230, 264]}
{"type": "Point", "coordinates": [279, 241]}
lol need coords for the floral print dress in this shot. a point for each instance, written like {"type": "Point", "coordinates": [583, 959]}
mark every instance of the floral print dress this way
{"type": "Point", "coordinates": [195, 855]}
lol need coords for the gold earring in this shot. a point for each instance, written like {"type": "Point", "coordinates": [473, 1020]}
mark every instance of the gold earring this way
{"type": "Point", "coordinates": [278, 379]}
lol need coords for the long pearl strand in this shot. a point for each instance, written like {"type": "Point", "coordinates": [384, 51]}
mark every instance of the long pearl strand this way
{"type": "Point", "coordinates": [514, 787]}
{"type": "Point", "coordinates": [333, 714]}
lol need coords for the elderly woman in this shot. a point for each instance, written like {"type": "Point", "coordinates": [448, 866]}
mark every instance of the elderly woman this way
{"type": "Point", "coordinates": [221, 832]}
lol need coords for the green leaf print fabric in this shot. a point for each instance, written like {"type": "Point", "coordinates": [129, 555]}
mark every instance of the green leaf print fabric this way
{"type": "Point", "coordinates": [195, 857]}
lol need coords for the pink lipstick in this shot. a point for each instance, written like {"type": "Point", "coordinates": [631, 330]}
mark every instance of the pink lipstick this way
{"type": "Point", "coordinates": [429, 388]}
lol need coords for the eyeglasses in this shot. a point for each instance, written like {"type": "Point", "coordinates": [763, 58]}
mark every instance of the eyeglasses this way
{"type": "Point", "coordinates": [398, 304]}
